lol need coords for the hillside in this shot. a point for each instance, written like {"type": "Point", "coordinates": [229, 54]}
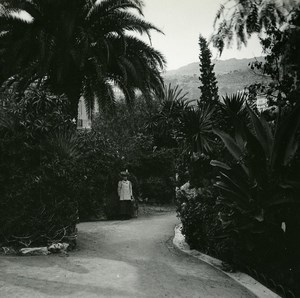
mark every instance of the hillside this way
{"type": "Point", "coordinates": [221, 67]}
{"type": "Point", "coordinates": [232, 75]}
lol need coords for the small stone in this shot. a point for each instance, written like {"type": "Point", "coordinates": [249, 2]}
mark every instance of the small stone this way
{"type": "Point", "coordinates": [34, 251]}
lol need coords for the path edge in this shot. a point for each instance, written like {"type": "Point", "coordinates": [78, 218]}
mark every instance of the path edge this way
{"type": "Point", "coordinates": [243, 279]}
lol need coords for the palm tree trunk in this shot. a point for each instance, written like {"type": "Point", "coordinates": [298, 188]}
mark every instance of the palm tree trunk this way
{"type": "Point", "coordinates": [72, 89]}
{"type": "Point", "coordinates": [73, 97]}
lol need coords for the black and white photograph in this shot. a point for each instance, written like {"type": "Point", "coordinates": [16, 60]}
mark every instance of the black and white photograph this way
{"type": "Point", "coordinates": [149, 148]}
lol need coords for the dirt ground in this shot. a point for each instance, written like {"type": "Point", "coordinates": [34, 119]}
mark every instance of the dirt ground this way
{"type": "Point", "coordinates": [133, 258]}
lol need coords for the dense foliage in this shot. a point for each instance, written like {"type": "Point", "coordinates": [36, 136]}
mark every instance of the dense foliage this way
{"type": "Point", "coordinates": [259, 193]}
{"type": "Point", "coordinates": [53, 52]}
{"type": "Point", "coordinates": [156, 173]}
{"type": "Point", "coordinates": [130, 136]}
{"type": "Point", "coordinates": [38, 150]}
{"type": "Point", "coordinates": [252, 219]}
{"type": "Point", "coordinates": [236, 169]}
{"type": "Point", "coordinates": [199, 217]}
{"type": "Point", "coordinates": [252, 214]}
{"type": "Point", "coordinates": [96, 175]}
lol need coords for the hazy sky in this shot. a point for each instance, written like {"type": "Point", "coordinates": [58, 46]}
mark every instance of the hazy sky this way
{"type": "Point", "coordinates": [182, 21]}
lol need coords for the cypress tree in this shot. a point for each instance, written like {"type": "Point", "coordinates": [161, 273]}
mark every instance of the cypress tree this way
{"type": "Point", "coordinates": [209, 88]}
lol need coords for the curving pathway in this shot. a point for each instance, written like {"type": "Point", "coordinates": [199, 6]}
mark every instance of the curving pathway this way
{"type": "Point", "coordinates": [132, 258]}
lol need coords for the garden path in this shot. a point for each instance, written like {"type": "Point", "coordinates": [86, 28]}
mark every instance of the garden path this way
{"type": "Point", "coordinates": [133, 258]}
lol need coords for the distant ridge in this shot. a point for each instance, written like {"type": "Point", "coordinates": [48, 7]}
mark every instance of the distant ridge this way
{"type": "Point", "coordinates": [232, 75]}
{"type": "Point", "coordinates": [221, 67]}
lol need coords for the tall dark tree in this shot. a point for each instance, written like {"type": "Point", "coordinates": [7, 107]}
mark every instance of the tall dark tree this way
{"type": "Point", "coordinates": [79, 47]}
{"type": "Point", "coordinates": [209, 88]}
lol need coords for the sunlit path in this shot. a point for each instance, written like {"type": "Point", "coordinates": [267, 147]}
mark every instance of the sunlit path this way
{"type": "Point", "coordinates": [117, 259]}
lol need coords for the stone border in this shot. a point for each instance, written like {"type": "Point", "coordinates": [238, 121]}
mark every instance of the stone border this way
{"type": "Point", "coordinates": [243, 279]}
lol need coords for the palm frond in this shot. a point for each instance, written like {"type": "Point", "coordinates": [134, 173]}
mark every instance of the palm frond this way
{"type": "Point", "coordinates": [108, 6]}
{"type": "Point", "coordinates": [68, 42]}
{"type": "Point", "coordinates": [197, 128]}
{"type": "Point", "coordinates": [65, 144]}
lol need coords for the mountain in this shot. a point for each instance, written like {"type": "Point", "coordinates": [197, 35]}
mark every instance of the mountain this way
{"type": "Point", "coordinates": [221, 67]}
{"type": "Point", "coordinates": [232, 75]}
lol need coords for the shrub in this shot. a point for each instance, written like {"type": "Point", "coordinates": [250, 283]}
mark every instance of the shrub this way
{"type": "Point", "coordinates": [158, 190]}
{"type": "Point", "coordinates": [97, 172]}
{"type": "Point", "coordinates": [259, 194]}
{"type": "Point", "coordinates": [199, 216]}
{"type": "Point", "coordinates": [201, 173]}
{"type": "Point", "coordinates": [38, 150]}
{"type": "Point", "coordinates": [156, 174]}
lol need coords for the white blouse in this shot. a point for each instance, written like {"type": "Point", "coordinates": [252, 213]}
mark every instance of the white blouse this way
{"type": "Point", "coordinates": [125, 190]}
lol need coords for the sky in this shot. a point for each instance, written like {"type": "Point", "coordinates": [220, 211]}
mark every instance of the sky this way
{"type": "Point", "coordinates": [182, 21]}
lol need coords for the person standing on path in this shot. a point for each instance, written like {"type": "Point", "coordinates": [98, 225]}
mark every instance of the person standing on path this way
{"type": "Point", "coordinates": [125, 197]}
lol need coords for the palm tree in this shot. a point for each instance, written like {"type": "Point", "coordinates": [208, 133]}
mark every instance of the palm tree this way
{"type": "Point", "coordinates": [166, 123]}
{"type": "Point", "coordinates": [79, 47]}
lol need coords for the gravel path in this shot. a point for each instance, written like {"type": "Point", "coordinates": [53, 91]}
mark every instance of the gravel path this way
{"type": "Point", "coordinates": [132, 258]}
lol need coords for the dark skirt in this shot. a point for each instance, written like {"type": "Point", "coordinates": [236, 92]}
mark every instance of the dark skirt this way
{"type": "Point", "coordinates": [126, 209]}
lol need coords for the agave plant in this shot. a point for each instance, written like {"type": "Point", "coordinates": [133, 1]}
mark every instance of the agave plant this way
{"type": "Point", "coordinates": [257, 192]}
{"type": "Point", "coordinates": [197, 129]}
{"type": "Point", "coordinates": [168, 121]}
{"type": "Point", "coordinates": [65, 144]}
{"type": "Point", "coordinates": [234, 109]}
{"type": "Point", "coordinates": [173, 94]}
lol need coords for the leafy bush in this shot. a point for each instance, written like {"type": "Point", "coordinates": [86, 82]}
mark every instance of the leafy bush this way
{"type": "Point", "coordinates": [97, 172]}
{"type": "Point", "coordinates": [201, 173]}
{"type": "Point", "coordinates": [156, 174]}
{"type": "Point", "coordinates": [158, 190]}
{"type": "Point", "coordinates": [251, 218]}
{"type": "Point", "coordinates": [113, 145]}
{"type": "Point", "coordinates": [38, 150]}
{"type": "Point", "coordinates": [260, 194]}
{"type": "Point", "coordinates": [199, 216]}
